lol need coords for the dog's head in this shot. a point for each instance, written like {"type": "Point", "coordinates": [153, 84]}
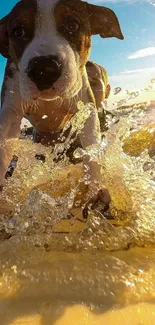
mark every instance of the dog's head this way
{"type": "Point", "coordinates": [49, 43]}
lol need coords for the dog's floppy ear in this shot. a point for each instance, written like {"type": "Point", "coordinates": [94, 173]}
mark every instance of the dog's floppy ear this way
{"type": "Point", "coordinates": [104, 22]}
{"type": "Point", "coordinates": [4, 42]}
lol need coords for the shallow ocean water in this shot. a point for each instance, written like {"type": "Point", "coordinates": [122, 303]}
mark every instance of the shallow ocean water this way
{"type": "Point", "coordinates": [57, 268]}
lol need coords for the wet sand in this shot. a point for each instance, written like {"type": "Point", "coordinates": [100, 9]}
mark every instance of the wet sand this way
{"type": "Point", "coordinates": [64, 289]}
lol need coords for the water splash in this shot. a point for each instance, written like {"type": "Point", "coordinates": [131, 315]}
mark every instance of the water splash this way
{"type": "Point", "coordinates": [44, 238]}
{"type": "Point", "coordinates": [39, 198]}
{"type": "Point", "coordinates": [130, 95]}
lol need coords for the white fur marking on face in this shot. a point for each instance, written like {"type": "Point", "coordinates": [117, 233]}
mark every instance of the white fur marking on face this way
{"type": "Point", "coordinates": [47, 41]}
{"type": "Point", "coordinates": [45, 19]}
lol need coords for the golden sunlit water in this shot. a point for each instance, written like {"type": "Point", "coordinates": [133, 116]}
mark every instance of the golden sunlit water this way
{"type": "Point", "coordinates": [58, 268]}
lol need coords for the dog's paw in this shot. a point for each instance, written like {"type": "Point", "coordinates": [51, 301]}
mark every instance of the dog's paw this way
{"type": "Point", "coordinates": [1, 184]}
{"type": "Point", "coordinates": [2, 181]}
{"type": "Point", "coordinates": [100, 200]}
{"type": "Point", "coordinates": [2, 178]}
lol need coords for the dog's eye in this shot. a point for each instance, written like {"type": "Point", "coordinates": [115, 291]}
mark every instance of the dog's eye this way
{"type": "Point", "coordinates": [19, 32]}
{"type": "Point", "coordinates": [72, 25]}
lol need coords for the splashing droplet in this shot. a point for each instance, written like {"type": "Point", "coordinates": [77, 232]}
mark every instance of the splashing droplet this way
{"type": "Point", "coordinates": [79, 153]}
{"type": "Point", "coordinates": [117, 90]}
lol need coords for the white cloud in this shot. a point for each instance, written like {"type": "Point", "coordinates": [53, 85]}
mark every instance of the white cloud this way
{"type": "Point", "coordinates": [133, 79]}
{"type": "Point", "coordinates": [143, 70]}
{"type": "Point", "coordinates": [148, 51]}
{"type": "Point", "coordinates": [118, 1]}
{"type": "Point", "coordinates": [122, 79]}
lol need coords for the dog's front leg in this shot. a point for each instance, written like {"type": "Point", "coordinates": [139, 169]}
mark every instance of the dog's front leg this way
{"type": "Point", "coordinates": [91, 135]}
{"type": "Point", "coordinates": [9, 129]}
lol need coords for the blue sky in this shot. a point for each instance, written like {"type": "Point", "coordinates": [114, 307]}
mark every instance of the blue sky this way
{"type": "Point", "coordinates": [129, 62]}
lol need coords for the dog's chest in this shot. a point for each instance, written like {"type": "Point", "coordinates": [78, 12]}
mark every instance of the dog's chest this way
{"type": "Point", "coordinates": [48, 116]}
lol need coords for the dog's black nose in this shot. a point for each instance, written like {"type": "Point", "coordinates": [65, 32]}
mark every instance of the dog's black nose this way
{"type": "Point", "coordinates": [44, 71]}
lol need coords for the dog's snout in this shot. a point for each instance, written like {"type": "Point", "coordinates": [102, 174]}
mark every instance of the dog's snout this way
{"type": "Point", "coordinates": [44, 71]}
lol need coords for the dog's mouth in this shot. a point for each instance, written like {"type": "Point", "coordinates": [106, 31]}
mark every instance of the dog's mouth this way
{"type": "Point", "coordinates": [47, 96]}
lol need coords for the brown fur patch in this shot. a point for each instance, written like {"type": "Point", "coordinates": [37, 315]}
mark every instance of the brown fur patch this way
{"type": "Point", "coordinates": [67, 13]}
{"type": "Point", "coordinates": [22, 15]}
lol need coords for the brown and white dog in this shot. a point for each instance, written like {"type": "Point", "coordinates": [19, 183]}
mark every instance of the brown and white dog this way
{"type": "Point", "coordinates": [47, 45]}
